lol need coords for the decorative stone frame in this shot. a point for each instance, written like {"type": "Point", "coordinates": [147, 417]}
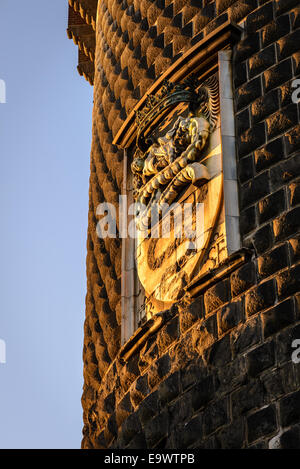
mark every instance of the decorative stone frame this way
{"type": "Point", "coordinates": [211, 55]}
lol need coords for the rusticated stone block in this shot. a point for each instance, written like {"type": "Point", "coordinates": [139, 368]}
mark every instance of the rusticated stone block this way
{"type": "Point", "coordinates": [180, 411]}
{"type": "Point", "coordinates": [191, 432]}
{"type": "Point", "coordinates": [271, 206]}
{"type": "Point", "coordinates": [275, 30]}
{"type": "Point", "coordinates": [277, 75]}
{"type": "Point", "coordinates": [202, 393]}
{"type": "Point", "coordinates": [293, 140]}
{"type": "Point", "coordinates": [290, 439]}
{"type": "Point", "coordinates": [233, 436]}
{"type": "Point", "coordinates": [242, 120]}
{"type": "Point", "coordinates": [231, 376]}
{"type": "Point", "coordinates": [294, 244]}
{"type": "Point", "coordinates": [247, 47]}
{"type": "Point", "coordinates": [243, 279]}
{"type": "Point", "coordinates": [259, 18]}
{"type": "Point", "coordinates": [229, 317]}
{"type": "Point", "coordinates": [169, 389]}
{"type": "Point", "coordinates": [296, 62]}
{"type": "Point", "coordinates": [288, 45]}
{"type": "Point", "coordinates": [261, 358]}
{"type": "Point", "coordinates": [265, 106]}
{"type": "Point", "coordinates": [123, 409]}
{"type": "Point", "coordinates": [130, 428]}
{"type": "Point", "coordinates": [191, 314]}
{"type": "Point", "coordinates": [288, 282]}
{"type": "Point", "coordinates": [248, 397]}
{"type": "Point", "coordinates": [247, 220]}
{"type": "Point", "coordinates": [295, 17]}
{"type": "Point", "coordinates": [263, 239]}
{"type": "Point", "coordinates": [148, 408]}
{"type": "Point", "coordinates": [287, 225]}
{"type": "Point", "coordinates": [261, 297]}
{"type": "Point", "coordinates": [168, 334]}
{"type": "Point", "coordinates": [285, 172]}
{"type": "Point", "coordinates": [239, 74]}
{"type": "Point", "coordinates": [255, 189]}
{"type": "Point", "coordinates": [279, 383]}
{"type": "Point", "coordinates": [192, 374]}
{"type": "Point", "coordinates": [290, 409]}
{"type": "Point", "coordinates": [222, 5]}
{"type": "Point", "coordinates": [281, 121]}
{"type": "Point", "coordinates": [294, 193]}
{"type": "Point", "coordinates": [246, 169]}
{"type": "Point", "coordinates": [215, 23]}
{"type": "Point", "coordinates": [139, 390]}
{"type": "Point", "coordinates": [247, 93]}
{"type": "Point", "coordinates": [219, 353]}
{"type": "Point", "coordinates": [215, 416]}
{"type": "Point", "coordinates": [273, 261]}
{"type": "Point", "coordinates": [216, 296]}
{"type": "Point", "coordinates": [269, 155]}
{"type": "Point", "coordinates": [278, 317]}
{"type": "Point", "coordinates": [262, 423]}
{"type": "Point", "coordinates": [157, 429]}
{"type": "Point", "coordinates": [286, 91]}
{"type": "Point", "coordinates": [252, 139]}
{"type": "Point", "coordinates": [246, 335]}
{"type": "Point", "coordinates": [285, 5]}
{"type": "Point", "coordinates": [241, 9]}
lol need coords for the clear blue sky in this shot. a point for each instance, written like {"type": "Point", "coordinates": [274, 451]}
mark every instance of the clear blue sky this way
{"type": "Point", "coordinates": [45, 137]}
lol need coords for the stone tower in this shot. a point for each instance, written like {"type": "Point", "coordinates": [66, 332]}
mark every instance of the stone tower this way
{"type": "Point", "coordinates": [192, 341]}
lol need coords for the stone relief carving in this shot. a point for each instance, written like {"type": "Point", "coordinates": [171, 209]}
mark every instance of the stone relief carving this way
{"type": "Point", "coordinates": [176, 164]}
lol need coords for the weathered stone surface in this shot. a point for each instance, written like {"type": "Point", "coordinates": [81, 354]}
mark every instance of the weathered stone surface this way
{"type": "Point", "coordinates": [261, 297]}
{"type": "Point", "coordinates": [277, 75]}
{"type": "Point", "coordinates": [248, 93]}
{"type": "Point", "coordinates": [288, 45]}
{"type": "Point", "coordinates": [281, 121]}
{"type": "Point", "coordinates": [271, 206]}
{"type": "Point", "coordinates": [247, 398]}
{"type": "Point", "coordinates": [246, 335]}
{"type": "Point", "coordinates": [261, 358]}
{"type": "Point", "coordinates": [264, 106]}
{"type": "Point", "coordinates": [288, 282]}
{"type": "Point", "coordinates": [290, 409]}
{"type": "Point", "coordinates": [286, 225]}
{"type": "Point", "coordinates": [275, 30]}
{"type": "Point", "coordinates": [215, 416]}
{"type": "Point", "coordinates": [273, 261]}
{"type": "Point", "coordinates": [290, 439]}
{"type": "Point", "coordinates": [269, 155]}
{"type": "Point", "coordinates": [229, 317]}
{"type": "Point", "coordinates": [216, 296]}
{"type": "Point", "coordinates": [243, 279]}
{"type": "Point", "coordinates": [263, 239]}
{"type": "Point", "coordinates": [284, 172]}
{"type": "Point", "coordinates": [248, 220]}
{"type": "Point", "coordinates": [277, 318]}
{"type": "Point", "coordinates": [262, 423]}
{"type": "Point", "coordinates": [255, 189]}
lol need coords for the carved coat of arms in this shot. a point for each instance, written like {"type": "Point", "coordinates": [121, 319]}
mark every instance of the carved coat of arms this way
{"type": "Point", "coordinates": [177, 182]}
